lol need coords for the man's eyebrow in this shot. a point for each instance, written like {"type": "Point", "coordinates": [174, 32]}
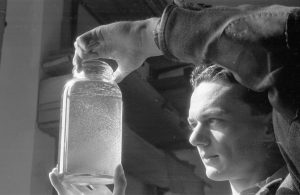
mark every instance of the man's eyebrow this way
{"type": "Point", "coordinates": [214, 112]}
{"type": "Point", "coordinates": [208, 113]}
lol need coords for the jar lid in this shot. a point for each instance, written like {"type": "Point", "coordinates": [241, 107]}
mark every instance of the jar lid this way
{"type": "Point", "coordinates": [96, 66]}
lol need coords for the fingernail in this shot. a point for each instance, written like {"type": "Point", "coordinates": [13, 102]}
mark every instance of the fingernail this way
{"type": "Point", "coordinates": [121, 168]}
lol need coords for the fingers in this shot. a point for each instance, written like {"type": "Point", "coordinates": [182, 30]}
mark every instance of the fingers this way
{"type": "Point", "coordinates": [86, 47]}
{"type": "Point", "coordinates": [113, 41]}
{"type": "Point", "coordinates": [126, 66]}
{"type": "Point", "coordinates": [119, 181]}
{"type": "Point", "coordinates": [82, 54]}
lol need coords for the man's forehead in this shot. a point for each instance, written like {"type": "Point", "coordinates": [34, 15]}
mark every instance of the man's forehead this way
{"type": "Point", "coordinates": [211, 97]}
{"type": "Point", "coordinates": [214, 90]}
{"type": "Point", "coordinates": [208, 112]}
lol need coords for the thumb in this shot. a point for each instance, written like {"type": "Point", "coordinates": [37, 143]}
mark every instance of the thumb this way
{"type": "Point", "coordinates": [127, 66]}
{"type": "Point", "coordinates": [119, 181]}
{"type": "Point", "coordinates": [55, 181]}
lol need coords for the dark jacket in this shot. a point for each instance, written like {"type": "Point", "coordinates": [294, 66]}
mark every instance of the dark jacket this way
{"type": "Point", "coordinates": [261, 46]}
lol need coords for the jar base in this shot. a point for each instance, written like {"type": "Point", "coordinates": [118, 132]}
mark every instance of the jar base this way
{"type": "Point", "coordinates": [88, 179]}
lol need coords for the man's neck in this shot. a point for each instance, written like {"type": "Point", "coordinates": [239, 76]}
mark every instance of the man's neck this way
{"type": "Point", "coordinates": [240, 185]}
{"type": "Point", "coordinates": [250, 190]}
{"type": "Point", "coordinates": [248, 181]}
{"type": "Point", "coordinates": [237, 186]}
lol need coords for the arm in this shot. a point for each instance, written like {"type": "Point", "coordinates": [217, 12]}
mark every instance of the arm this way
{"type": "Point", "coordinates": [242, 38]}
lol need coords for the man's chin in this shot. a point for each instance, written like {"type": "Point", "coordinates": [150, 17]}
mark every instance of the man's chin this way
{"type": "Point", "coordinates": [215, 174]}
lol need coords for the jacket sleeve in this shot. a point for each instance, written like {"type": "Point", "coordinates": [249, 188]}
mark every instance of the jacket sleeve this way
{"type": "Point", "coordinates": [253, 42]}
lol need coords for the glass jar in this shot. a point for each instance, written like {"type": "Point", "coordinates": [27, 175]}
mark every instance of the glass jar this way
{"type": "Point", "coordinates": [90, 138]}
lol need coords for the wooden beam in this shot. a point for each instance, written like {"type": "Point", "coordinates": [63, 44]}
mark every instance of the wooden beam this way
{"type": "Point", "coordinates": [171, 83]}
{"type": "Point", "coordinates": [149, 114]}
{"type": "Point", "coordinates": [143, 160]}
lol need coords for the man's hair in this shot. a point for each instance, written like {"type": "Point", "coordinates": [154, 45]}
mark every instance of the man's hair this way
{"type": "Point", "coordinates": [258, 101]}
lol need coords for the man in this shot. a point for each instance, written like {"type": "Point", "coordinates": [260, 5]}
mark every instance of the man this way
{"type": "Point", "coordinates": [233, 132]}
{"type": "Point", "coordinates": [259, 45]}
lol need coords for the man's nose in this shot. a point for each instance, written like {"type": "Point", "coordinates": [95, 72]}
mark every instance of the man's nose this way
{"type": "Point", "coordinates": [200, 136]}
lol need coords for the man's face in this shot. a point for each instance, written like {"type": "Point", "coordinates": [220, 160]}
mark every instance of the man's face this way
{"type": "Point", "coordinates": [229, 138]}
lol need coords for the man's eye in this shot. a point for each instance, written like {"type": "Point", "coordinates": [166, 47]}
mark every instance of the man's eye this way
{"type": "Point", "coordinates": [215, 123]}
{"type": "Point", "coordinates": [212, 120]}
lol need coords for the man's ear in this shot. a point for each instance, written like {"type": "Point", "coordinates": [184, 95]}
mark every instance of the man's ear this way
{"type": "Point", "coordinates": [268, 134]}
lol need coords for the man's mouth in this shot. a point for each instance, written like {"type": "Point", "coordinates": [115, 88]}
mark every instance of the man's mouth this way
{"type": "Point", "coordinates": [208, 157]}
